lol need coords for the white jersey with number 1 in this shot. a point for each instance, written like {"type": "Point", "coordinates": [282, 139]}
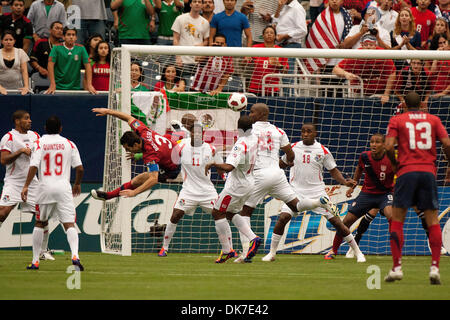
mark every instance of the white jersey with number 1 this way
{"type": "Point", "coordinates": [54, 156]}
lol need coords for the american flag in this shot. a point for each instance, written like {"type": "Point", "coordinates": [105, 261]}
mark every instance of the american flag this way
{"type": "Point", "coordinates": [324, 35]}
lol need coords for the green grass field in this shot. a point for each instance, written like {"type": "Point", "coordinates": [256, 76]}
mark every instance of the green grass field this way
{"type": "Point", "coordinates": [197, 277]}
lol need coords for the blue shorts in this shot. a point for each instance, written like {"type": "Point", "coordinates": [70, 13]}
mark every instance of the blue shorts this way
{"type": "Point", "coordinates": [367, 201]}
{"type": "Point", "coordinates": [416, 189]}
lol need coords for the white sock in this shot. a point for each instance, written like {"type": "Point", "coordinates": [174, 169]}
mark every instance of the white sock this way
{"type": "Point", "coordinates": [44, 246]}
{"type": "Point", "coordinates": [244, 240]}
{"type": "Point", "coordinates": [72, 238]}
{"type": "Point", "coordinates": [229, 235]}
{"type": "Point", "coordinates": [243, 227]}
{"type": "Point", "coordinates": [222, 227]}
{"type": "Point", "coordinates": [305, 204]}
{"type": "Point", "coordinates": [275, 242]}
{"type": "Point", "coordinates": [352, 243]}
{"type": "Point", "coordinates": [168, 234]}
{"type": "Point", "coordinates": [38, 235]}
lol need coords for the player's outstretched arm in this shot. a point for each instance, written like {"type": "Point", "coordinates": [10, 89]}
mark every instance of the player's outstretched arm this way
{"type": "Point", "coordinates": [148, 183]}
{"type": "Point", "coordinates": [117, 114]}
{"type": "Point", "coordinates": [220, 166]}
{"type": "Point", "coordinates": [336, 174]}
{"type": "Point", "coordinates": [290, 155]}
{"type": "Point", "coordinates": [356, 176]}
{"type": "Point", "coordinates": [31, 173]}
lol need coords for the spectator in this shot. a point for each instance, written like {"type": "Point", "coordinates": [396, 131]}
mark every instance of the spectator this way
{"type": "Point", "coordinates": [231, 24]}
{"type": "Point", "coordinates": [213, 72]}
{"type": "Point", "coordinates": [378, 75]}
{"type": "Point", "coordinates": [13, 66]}
{"type": "Point", "coordinates": [65, 63]}
{"type": "Point", "coordinates": [266, 65]}
{"type": "Point", "coordinates": [404, 36]}
{"type": "Point", "coordinates": [91, 44]}
{"type": "Point", "coordinates": [132, 20]}
{"type": "Point", "coordinates": [400, 4]}
{"type": "Point", "coordinates": [440, 70]}
{"type": "Point", "coordinates": [190, 29]}
{"type": "Point", "coordinates": [370, 25]}
{"type": "Point", "coordinates": [388, 15]}
{"type": "Point", "coordinates": [168, 11]}
{"type": "Point", "coordinates": [101, 66]}
{"type": "Point", "coordinates": [137, 77]}
{"type": "Point", "coordinates": [258, 15]}
{"type": "Point", "coordinates": [42, 48]}
{"type": "Point", "coordinates": [414, 78]}
{"type": "Point", "coordinates": [93, 19]}
{"type": "Point", "coordinates": [355, 8]}
{"type": "Point", "coordinates": [171, 80]}
{"type": "Point", "coordinates": [290, 19]}
{"type": "Point", "coordinates": [19, 24]}
{"type": "Point", "coordinates": [424, 19]}
{"type": "Point", "coordinates": [208, 10]}
{"type": "Point", "coordinates": [441, 26]}
{"type": "Point", "coordinates": [443, 9]}
{"type": "Point", "coordinates": [315, 7]}
{"type": "Point", "coordinates": [42, 14]}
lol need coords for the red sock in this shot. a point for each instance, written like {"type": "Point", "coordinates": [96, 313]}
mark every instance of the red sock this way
{"type": "Point", "coordinates": [115, 192]}
{"type": "Point", "coordinates": [396, 232]}
{"type": "Point", "coordinates": [435, 239]}
{"type": "Point", "coordinates": [337, 242]}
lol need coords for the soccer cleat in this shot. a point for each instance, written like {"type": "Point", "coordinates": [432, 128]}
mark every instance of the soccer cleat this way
{"type": "Point", "coordinates": [269, 257]}
{"type": "Point", "coordinates": [330, 255]}
{"type": "Point", "coordinates": [239, 259]}
{"type": "Point", "coordinates": [99, 195]}
{"type": "Point", "coordinates": [225, 256]}
{"type": "Point", "coordinates": [328, 205]}
{"type": "Point", "coordinates": [33, 266]}
{"type": "Point", "coordinates": [76, 262]}
{"type": "Point", "coordinates": [46, 256]}
{"type": "Point", "coordinates": [393, 275]}
{"type": "Point", "coordinates": [350, 254]}
{"type": "Point", "coordinates": [360, 258]}
{"type": "Point", "coordinates": [162, 253]}
{"type": "Point", "coordinates": [435, 277]}
{"type": "Point", "coordinates": [253, 248]}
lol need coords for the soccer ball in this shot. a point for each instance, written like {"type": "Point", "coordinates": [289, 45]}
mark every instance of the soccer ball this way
{"type": "Point", "coordinates": [237, 101]}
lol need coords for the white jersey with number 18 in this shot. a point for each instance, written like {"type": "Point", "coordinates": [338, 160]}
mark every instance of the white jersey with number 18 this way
{"type": "Point", "coordinates": [54, 156]}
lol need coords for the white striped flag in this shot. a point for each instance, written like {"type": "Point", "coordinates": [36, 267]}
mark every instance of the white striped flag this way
{"type": "Point", "coordinates": [324, 35]}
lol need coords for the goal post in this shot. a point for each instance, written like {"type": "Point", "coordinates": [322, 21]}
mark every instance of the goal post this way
{"type": "Point", "coordinates": [345, 115]}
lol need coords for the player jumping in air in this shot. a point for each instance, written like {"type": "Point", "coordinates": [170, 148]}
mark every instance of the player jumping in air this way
{"type": "Point", "coordinates": [306, 177]}
{"type": "Point", "coordinates": [415, 132]}
{"type": "Point", "coordinates": [157, 153]}
{"type": "Point", "coordinates": [197, 189]}
{"type": "Point", "coordinates": [15, 148]}
{"type": "Point", "coordinates": [54, 156]}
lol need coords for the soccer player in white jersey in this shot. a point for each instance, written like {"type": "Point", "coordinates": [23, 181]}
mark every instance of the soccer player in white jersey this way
{"type": "Point", "coordinates": [197, 189]}
{"type": "Point", "coordinates": [238, 187]}
{"type": "Point", "coordinates": [54, 156]}
{"type": "Point", "coordinates": [306, 177]}
{"type": "Point", "coordinates": [15, 148]}
{"type": "Point", "coordinates": [269, 177]}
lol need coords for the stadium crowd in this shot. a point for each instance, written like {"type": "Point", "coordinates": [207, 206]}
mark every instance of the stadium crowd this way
{"type": "Point", "coordinates": [40, 54]}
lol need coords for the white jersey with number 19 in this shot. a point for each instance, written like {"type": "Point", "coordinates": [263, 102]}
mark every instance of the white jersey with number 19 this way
{"type": "Point", "coordinates": [54, 156]}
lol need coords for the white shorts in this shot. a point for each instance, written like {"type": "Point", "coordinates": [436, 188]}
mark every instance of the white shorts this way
{"type": "Point", "coordinates": [273, 182]}
{"type": "Point", "coordinates": [12, 195]}
{"type": "Point", "coordinates": [64, 211]}
{"type": "Point", "coordinates": [318, 210]}
{"type": "Point", "coordinates": [189, 205]}
{"type": "Point", "coordinates": [232, 200]}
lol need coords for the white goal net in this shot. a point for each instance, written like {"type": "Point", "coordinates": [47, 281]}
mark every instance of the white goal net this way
{"type": "Point", "coordinates": [347, 103]}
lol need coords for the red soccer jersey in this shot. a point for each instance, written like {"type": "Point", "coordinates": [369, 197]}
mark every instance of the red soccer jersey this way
{"type": "Point", "coordinates": [424, 22]}
{"type": "Point", "coordinates": [374, 73]}
{"type": "Point", "coordinates": [156, 149]}
{"type": "Point", "coordinates": [381, 168]}
{"type": "Point", "coordinates": [416, 133]}
{"type": "Point", "coordinates": [100, 76]}
{"type": "Point", "coordinates": [210, 72]}
{"type": "Point", "coordinates": [263, 67]}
